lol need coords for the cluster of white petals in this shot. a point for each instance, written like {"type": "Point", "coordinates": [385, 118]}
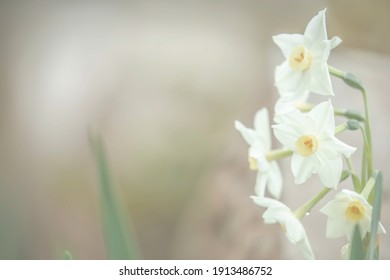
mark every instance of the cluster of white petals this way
{"type": "Point", "coordinates": [316, 150]}
{"type": "Point", "coordinates": [347, 210]}
{"type": "Point", "coordinates": [309, 136]}
{"type": "Point", "coordinates": [259, 141]}
{"type": "Point", "coordinates": [277, 212]}
{"type": "Point", "coordinates": [305, 68]}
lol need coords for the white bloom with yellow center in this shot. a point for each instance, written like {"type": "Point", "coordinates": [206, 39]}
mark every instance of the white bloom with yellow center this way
{"type": "Point", "coordinates": [277, 212]}
{"type": "Point", "coordinates": [347, 210]}
{"type": "Point", "coordinates": [315, 148]}
{"type": "Point", "coordinates": [305, 67]}
{"type": "Point", "coordinates": [259, 141]}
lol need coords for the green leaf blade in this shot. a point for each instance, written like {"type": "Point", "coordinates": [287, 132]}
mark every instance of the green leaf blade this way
{"type": "Point", "coordinates": [357, 246]}
{"type": "Point", "coordinates": [376, 213]}
{"type": "Point", "coordinates": [120, 243]}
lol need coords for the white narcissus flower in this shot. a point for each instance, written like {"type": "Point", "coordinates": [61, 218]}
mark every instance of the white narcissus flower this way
{"type": "Point", "coordinates": [259, 141]}
{"type": "Point", "coordinates": [315, 148]}
{"type": "Point", "coordinates": [305, 67]}
{"type": "Point", "coordinates": [347, 210]}
{"type": "Point", "coordinates": [277, 212]}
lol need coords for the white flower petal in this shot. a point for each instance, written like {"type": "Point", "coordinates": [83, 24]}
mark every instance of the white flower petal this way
{"type": "Point", "coordinates": [266, 202]}
{"type": "Point", "coordinates": [261, 181]}
{"type": "Point", "coordinates": [286, 135]}
{"type": "Point", "coordinates": [333, 147]}
{"type": "Point", "coordinates": [275, 181]}
{"type": "Point", "coordinates": [320, 82]}
{"type": "Point", "coordinates": [323, 116]}
{"type": "Point", "coordinates": [320, 52]}
{"type": "Point", "coordinates": [287, 41]}
{"type": "Point", "coordinates": [330, 170]}
{"type": "Point", "coordinates": [296, 121]}
{"type": "Point", "coordinates": [294, 230]}
{"type": "Point", "coordinates": [248, 134]}
{"type": "Point", "coordinates": [316, 28]}
{"type": "Point", "coordinates": [348, 195]}
{"type": "Point", "coordinates": [306, 250]}
{"type": "Point", "coordinates": [256, 151]}
{"type": "Point", "coordinates": [262, 127]}
{"type": "Point", "coordinates": [335, 41]}
{"type": "Point", "coordinates": [302, 168]}
{"type": "Point", "coordinates": [277, 213]}
{"type": "Point", "coordinates": [283, 106]}
{"type": "Point", "coordinates": [333, 208]}
{"type": "Point", "coordinates": [328, 148]}
{"type": "Point", "coordinates": [335, 228]}
{"type": "Point", "coordinates": [287, 79]}
{"type": "Point", "coordinates": [343, 148]}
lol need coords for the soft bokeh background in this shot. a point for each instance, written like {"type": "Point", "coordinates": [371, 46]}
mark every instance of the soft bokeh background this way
{"type": "Point", "coordinates": [163, 82]}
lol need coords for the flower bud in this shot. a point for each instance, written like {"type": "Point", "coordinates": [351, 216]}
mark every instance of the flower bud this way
{"type": "Point", "coordinates": [353, 124]}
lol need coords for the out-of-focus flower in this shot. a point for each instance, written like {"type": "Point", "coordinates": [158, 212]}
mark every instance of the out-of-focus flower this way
{"type": "Point", "coordinates": [277, 212]}
{"type": "Point", "coordinates": [305, 68]}
{"type": "Point", "coordinates": [259, 141]}
{"type": "Point", "coordinates": [315, 148]}
{"type": "Point", "coordinates": [345, 211]}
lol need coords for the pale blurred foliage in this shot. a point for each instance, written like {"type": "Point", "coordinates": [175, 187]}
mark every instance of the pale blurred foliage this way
{"type": "Point", "coordinates": [163, 82]}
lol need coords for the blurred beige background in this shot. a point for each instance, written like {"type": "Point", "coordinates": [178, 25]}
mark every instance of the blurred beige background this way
{"type": "Point", "coordinates": [163, 81]}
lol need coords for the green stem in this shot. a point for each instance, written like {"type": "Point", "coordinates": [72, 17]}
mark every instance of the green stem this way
{"type": "Point", "coordinates": [340, 128]}
{"type": "Point", "coordinates": [363, 177]}
{"type": "Point", "coordinates": [350, 114]}
{"type": "Point", "coordinates": [305, 208]}
{"type": "Point", "coordinates": [278, 154]}
{"type": "Point", "coordinates": [354, 82]}
{"type": "Point", "coordinates": [367, 159]}
{"type": "Point", "coordinates": [355, 178]}
{"type": "Point", "coordinates": [336, 72]}
{"type": "Point", "coordinates": [368, 135]}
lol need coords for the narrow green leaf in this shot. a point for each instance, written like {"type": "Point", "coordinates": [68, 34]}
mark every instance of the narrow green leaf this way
{"type": "Point", "coordinates": [119, 241]}
{"type": "Point", "coordinates": [67, 256]}
{"type": "Point", "coordinates": [357, 247]}
{"type": "Point", "coordinates": [376, 213]}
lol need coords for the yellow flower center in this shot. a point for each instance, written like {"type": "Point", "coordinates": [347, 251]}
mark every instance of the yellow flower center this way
{"type": "Point", "coordinates": [252, 163]}
{"type": "Point", "coordinates": [306, 145]}
{"type": "Point", "coordinates": [355, 211]}
{"type": "Point", "coordinates": [300, 58]}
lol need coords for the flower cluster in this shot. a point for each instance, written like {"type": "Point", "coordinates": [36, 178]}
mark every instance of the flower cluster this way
{"type": "Point", "coordinates": [309, 137]}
